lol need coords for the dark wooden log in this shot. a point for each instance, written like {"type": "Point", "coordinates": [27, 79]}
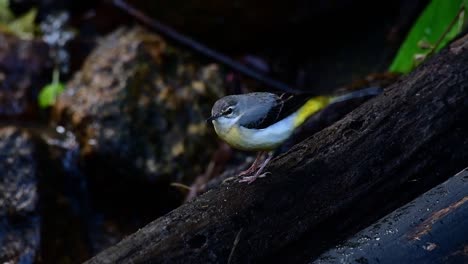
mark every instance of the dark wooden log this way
{"type": "Point", "coordinates": [380, 156]}
{"type": "Point", "coordinates": [431, 229]}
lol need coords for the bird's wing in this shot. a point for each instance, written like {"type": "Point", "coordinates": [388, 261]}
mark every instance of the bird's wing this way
{"type": "Point", "coordinates": [284, 106]}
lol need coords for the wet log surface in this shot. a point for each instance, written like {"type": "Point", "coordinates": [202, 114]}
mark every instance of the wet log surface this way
{"type": "Point", "coordinates": [431, 229]}
{"type": "Point", "coordinates": [380, 156]}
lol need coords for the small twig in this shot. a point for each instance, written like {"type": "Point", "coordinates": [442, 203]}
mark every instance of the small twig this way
{"type": "Point", "coordinates": [216, 164]}
{"type": "Point", "coordinates": [56, 76]}
{"type": "Point", "coordinates": [180, 185]}
{"type": "Point", "coordinates": [217, 56]}
{"type": "Point", "coordinates": [234, 245]}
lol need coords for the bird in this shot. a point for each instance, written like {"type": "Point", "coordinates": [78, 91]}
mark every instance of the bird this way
{"type": "Point", "coordinates": [261, 121]}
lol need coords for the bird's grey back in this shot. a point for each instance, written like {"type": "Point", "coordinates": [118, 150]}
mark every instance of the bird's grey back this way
{"type": "Point", "coordinates": [256, 107]}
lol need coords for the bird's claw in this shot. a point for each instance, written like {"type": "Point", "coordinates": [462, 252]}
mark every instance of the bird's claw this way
{"type": "Point", "coordinates": [250, 179]}
{"type": "Point", "coordinates": [247, 172]}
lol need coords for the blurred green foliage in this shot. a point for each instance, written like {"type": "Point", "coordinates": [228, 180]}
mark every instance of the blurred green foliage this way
{"type": "Point", "coordinates": [5, 12]}
{"type": "Point", "coordinates": [439, 23]}
{"type": "Point", "coordinates": [49, 93]}
{"type": "Point", "coordinates": [465, 5]}
{"type": "Point", "coordinates": [23, 26]}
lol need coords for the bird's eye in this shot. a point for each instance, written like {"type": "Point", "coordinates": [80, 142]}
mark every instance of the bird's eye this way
{"type": "Point", "coordinates": [228, 111]}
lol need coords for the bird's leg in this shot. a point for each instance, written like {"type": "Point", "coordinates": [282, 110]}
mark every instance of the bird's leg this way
{"type": "Point", "coordinates": [258, 174]}
{"type": "Point", "coordinates": [254, 165]}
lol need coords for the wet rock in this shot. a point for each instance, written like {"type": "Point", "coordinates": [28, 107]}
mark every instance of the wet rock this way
{"type": "Point", "coordinates": [19, 218]}
{"type": "Point", "coordinates": [139, 106]}
{"type": "Point", "coordinates": [25, 67]}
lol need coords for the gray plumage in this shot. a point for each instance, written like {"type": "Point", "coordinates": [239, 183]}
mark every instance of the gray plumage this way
{"type": "Point", "coordinates": [261, 109]}
{"type": "Point", "coordinates": [255, 107]}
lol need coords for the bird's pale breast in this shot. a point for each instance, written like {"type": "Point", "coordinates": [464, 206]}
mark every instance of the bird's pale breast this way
{"type": "Point", "coordinates": [258, 139]}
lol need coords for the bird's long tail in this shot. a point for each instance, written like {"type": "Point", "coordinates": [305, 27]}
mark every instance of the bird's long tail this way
{"type": "Point", "coordinates": [371, 91]}
{"type": "Point", "coordinates": [315, 104]}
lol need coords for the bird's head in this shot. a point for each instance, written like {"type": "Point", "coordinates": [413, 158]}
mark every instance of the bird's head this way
{"type": "Point", "coordinates": [225, 112]}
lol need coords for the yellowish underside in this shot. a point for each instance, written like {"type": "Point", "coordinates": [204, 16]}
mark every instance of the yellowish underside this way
{"type": "Point", "coordinates": [244, 141]}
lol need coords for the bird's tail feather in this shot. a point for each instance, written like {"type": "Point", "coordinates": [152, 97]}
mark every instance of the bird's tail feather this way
{"type": "Point", "coordinates": [312, 106]}
{"type": "Point", "coordinates": [371, 91]}
{"type": "Point", "coordinates": [315, 104]}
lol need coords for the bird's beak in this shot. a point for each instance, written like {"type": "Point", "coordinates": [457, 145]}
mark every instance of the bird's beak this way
{"type": "Point", "coordinates": [213, 117]}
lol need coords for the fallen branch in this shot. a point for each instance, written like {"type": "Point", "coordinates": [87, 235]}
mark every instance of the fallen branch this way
{"type": "Point", "coordinates": [430, 229]}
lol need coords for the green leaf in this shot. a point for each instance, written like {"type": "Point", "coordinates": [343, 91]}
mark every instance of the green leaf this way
{"type": "Point", "coordinates": [431, 25]}
{"type": "Point", "coordinates": [465, 5]}
{"type": "Point", "coordinates": [49, 94]}
{"type": "Point", "coordinates": [24, 26]}
{"type": "Point", "coordinates": [5, 13]}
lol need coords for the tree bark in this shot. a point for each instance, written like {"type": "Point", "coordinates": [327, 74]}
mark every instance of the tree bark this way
{"type": "Point", "coordinates": [431, 229]}
{"type": "Point", "coordinates": [383, 154]}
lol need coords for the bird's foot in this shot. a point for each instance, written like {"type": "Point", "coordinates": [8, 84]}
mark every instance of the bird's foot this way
{"type": "Point", "coordinates": [255, 165]}
{"type": "Point", "coordinates": [250, 179]}
{"type": "Point", "coordinates": [248, 171]}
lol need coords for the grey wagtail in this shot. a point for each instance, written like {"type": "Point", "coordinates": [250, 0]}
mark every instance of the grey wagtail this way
{"type": "Point", "coordinates": [262, 121]}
